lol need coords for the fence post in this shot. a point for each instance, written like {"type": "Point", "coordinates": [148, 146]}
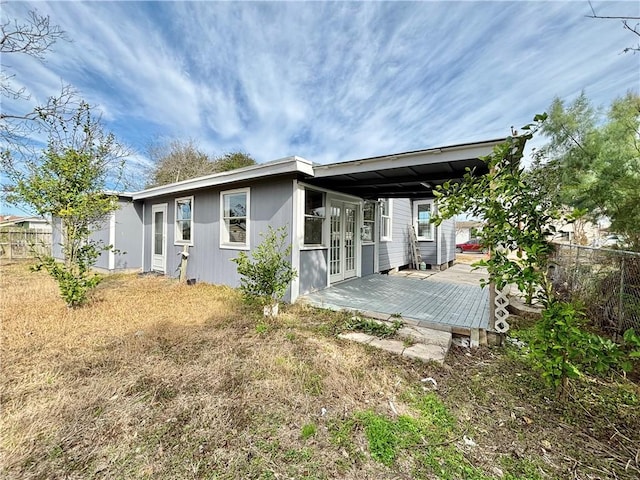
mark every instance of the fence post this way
{"type": "Point", "coordinates": [621, 306]}
{"type": "Point", "coordinates": [575, 268]}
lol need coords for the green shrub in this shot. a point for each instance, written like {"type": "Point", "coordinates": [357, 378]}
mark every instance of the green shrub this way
{"type": "Point", "coordinates": [562, 349]}
{"type": "Point", "coordinates": [378, 329]}
{"type": "Point", "coordinates": [267, 275]}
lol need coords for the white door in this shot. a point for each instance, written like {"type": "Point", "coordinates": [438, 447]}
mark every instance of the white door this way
{"type": "Point", "coordinates": [159, 240]}
{"type": "Point", "coordinates": [343, 242]}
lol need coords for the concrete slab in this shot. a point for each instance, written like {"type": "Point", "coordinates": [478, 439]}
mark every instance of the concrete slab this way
{"type": "Point", "coordinates": [393, 346]}
{"type": "Point", "coordinates": [426, 335]}
{"type": "Point", "coordinates": [426, 353]}
{"type": "Point", "coordinates": [357, 337]}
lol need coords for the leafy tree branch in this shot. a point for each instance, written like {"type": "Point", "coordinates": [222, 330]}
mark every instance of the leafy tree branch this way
{"type": "Point", "coordinates": [67, 183]}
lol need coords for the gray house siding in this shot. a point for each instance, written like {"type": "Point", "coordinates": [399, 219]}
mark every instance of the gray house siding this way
{"type": "Point", "coordinates": [128, 236]}
{"type": "Point", "coordinates": [442, 250]}
{"type": "Point", "coordinates": [368, 259]}
{"type": "Point", "coordinates": [447, 241]}
{"type": "Point", "coordinates": [429, 253]}
{"type": "Point", "coordinates": [313, 270]}
{"type": "Point", "coordinates": [396, 253]}
{"type": "Point", "coordinates": [270, 204]}
{"type": "Point", "coordinates": [102, 236]}
{"type": "Point", "coordinates": [56, 239]}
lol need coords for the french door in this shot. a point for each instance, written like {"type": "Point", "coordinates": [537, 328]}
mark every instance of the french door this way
{"type": "Point", "coordinates": [343, 241]}
{"type": "Point", "coordinates": [159, 240]}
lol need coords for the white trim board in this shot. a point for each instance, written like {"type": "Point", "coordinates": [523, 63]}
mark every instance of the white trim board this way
{"type": "Point", "coordinates": [253, 172]}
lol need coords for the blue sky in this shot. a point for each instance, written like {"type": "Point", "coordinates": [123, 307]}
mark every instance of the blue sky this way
{"type": "Point", "coordinates": [326, 81]}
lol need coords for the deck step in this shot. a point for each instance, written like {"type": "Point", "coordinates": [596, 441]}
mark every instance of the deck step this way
{"type": "Point", "coordinates": [424, 348]}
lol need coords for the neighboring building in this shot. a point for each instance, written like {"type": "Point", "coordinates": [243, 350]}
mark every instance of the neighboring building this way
{"type": "Point", "coordinates": [581, 232]}
{"type": "Point", "coordinates": [344, 220]}
{"type": "Point", "coordinates": [30, 223]}
{"type": "Point", "coordinates": [467, 229]}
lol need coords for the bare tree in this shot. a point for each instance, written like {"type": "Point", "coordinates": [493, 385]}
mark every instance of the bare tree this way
{"type": "Point", "coordinates": [177, 160]}
{"type": "Point", "coordinates": [625, 19]}
{"type": "Point", "coordinates": [34, 37]}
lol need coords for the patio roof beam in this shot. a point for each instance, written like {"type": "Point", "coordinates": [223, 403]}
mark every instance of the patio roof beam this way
{"type": "Point", "coordinates": [390, 181]}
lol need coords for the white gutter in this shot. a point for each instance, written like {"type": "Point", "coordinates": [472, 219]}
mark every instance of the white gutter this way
{"type": "Point", "coordinates": [277, 167]}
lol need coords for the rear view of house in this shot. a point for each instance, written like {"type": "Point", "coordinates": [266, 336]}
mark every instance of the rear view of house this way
{"type": "Point", "coordinates": [344, 220]}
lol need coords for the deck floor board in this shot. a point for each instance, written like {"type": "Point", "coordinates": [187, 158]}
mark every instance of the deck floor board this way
{"type": "Point", "coordinates": [432, 300]}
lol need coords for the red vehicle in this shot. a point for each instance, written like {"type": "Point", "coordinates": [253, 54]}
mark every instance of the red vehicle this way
{"type": "Point", "coordinates": [473, 245]}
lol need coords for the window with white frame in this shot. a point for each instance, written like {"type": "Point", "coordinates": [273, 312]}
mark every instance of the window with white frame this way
{"type": "Point", "coordinates": [184, 217]}
{"type": "Point", "coordinates": [234, 218]}
{"type": "Point", "coordinates": [368, 221]}
{"type": "Point", "coordinates": [386, 232]}
{"type": "Point", "coordinates": [314, 215]}
{"type": "Point", "coordinates": [422, 211]}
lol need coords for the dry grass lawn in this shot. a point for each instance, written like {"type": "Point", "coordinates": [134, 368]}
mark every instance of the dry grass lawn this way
{"type": "Point", "coordinates": [154, 379]}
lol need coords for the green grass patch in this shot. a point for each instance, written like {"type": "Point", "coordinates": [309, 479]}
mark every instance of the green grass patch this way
{"type": "Point", "coordinates": [426, 437]}
{"type": "Point", "coordinates": [520, 469]}
{"type": "Point", "coordinates": [308, 431]}
{"type": "Point", "coordinates": [383, 436]}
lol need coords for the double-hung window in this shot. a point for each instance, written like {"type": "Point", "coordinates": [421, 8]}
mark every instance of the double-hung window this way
{"type": "Point", "coordinates": [369, 222]}
{"type": "Point", "coordinates": [314, 215]}
{"type": "Point", "coordinates": [234, 219]}
{"type": "Point", "coordinates": [386, 232]}
{"type": "Point", "coordinates": [184, 220]}
{"type": "Point", "coordinates": [422, 211]}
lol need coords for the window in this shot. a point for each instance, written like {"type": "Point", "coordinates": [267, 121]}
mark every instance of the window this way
{"type": "Point", "coordinates": [314, 215]}
{"type": "Point", "coordinates": [184, 215]}
{"type": "Point", "coordinates": [369, 222]}
{"type": "Point", "coordinates": [422, 219]}
{"type": "Point", "coordinates": [234, 219]}
{"type": "Point", "coordinates": [386, 232]}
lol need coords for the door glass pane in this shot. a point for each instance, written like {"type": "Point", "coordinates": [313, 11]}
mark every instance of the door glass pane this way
{"type": "Point", "coordinates": [335, 247]}
{"type": "Point", "coordinates": [158, 221]}
{"type": "Point", "coordinates": [349, 239]}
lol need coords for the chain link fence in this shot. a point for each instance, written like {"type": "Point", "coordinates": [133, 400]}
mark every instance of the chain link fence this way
{"type": "Point", "coordinates": [606, 281]}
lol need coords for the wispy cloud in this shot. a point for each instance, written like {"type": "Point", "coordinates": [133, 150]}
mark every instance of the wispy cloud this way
{"type": "Point", "coordinates": [329, 81]}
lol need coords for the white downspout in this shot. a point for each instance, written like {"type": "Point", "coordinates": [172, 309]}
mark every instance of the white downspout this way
{"type": "Point", "coordinates": [112, 241]}
{"type": "Point", "coordinates": [297, 237]}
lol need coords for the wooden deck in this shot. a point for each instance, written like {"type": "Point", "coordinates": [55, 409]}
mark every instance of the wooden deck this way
{"type": "Point", "coordinates": [451, 300]}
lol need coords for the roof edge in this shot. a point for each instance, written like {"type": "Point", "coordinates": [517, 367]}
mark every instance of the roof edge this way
{"type": "Point", "coordinates": [289, 164]}
{"type": "Point", "coordinates": [433, 150]}
{"type": "Point", "coordinates": [431, 156]}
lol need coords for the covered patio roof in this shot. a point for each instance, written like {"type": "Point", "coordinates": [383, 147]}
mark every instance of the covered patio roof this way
{"type": "Point", "coordinates": [403, 175]}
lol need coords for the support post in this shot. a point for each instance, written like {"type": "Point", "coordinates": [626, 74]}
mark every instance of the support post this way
{"type": "Point", "coordinates": [492, 306]}
{"type": "Point", "coordinates": [183, 263]}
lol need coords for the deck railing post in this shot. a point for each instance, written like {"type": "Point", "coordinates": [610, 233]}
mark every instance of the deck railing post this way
{"type": "Point", "coordinates": [492, 306]}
